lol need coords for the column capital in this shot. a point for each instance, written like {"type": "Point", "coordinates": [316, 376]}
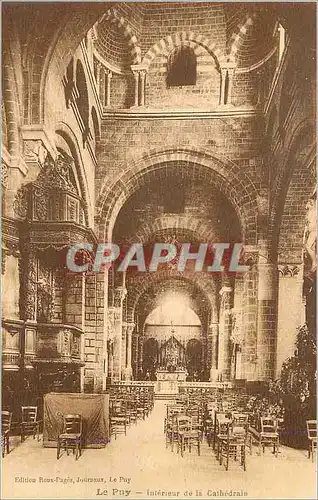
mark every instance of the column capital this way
{"type": "Point", "coordinates": [228, 65]}
{"type": "Point", "coordinates": [290, 270]}
{"type": "Point", "coordinates": [120, 293]}
{"type": "Point", "coordinates": [129, 327]}
{"type": "Point", "coordinates": [108, 72]}
{"type": "Point", "coordinates": [139, 69]}
{"type": "Point", "coordinates": [250, 255]}
{"type": "Point", "coordinates": [225, 289]}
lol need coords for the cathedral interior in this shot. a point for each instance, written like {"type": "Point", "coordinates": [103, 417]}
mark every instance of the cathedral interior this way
{"type": "Point", "coordinates": [155, 123]}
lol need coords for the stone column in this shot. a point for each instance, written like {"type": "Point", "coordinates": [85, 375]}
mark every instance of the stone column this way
{"type": "Point", "coordinates": [291, 310]}
{"type": "Point", "coordinates": [225, 333]}
{"type": "Point", "coordinates": [102, 302]}
{"type": "Point", "coordinates": [230, 74]}
{"type": "Point", "coordinates": [227, 72]}
{"type": "Point", "coordinates": [98, 69]}
{"type": "Point", "coordinates": [136, 77]}
{"type": "Point", "coordinates": [222, 90]}
{"type": "Point", "coordinates": [119, 294]}
{"type": "Point", "coordinates": [142, 87]}
{"type": "Point", "coordinates": [110, 353]}
{"type": "Point", "coordinates": [124, 350]}
{"type": "Point", "coordinates": [129, 328]}
{"type": "Point", "coordinates": [249, 317]}
{"type": "Point", "coordinates": [266, 320]}
{"type": "Point", "coordinates": [135, 339]}
{"type": "Point", "coordinates": [74, 314]}
{"type": "Point", "coordinates": [108, 75]}
{"type": "Point", "coordinates": [102, 79]}
{"type": "Point", "coordinates": [214, 334]}
{"type": "Point", "coordinates": [139, 72]}
{"type": "Point", "coordinates": [140, 352]}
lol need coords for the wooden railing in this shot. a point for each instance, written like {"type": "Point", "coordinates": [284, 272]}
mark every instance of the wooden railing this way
{"type": "Point", "coordinates": [205, 385]}
{"type": "Point", "coordinates": [136, 383]}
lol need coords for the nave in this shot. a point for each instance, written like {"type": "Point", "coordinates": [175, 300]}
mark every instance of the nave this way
{"type": "Point", "coordinates": [139, 465]}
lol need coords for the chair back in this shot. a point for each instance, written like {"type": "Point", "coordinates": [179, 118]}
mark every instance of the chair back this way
{"type": "Point", "coordinates": [118, 408]}
{"type": "Point", "coordinates": [29, 414]}
{"type": "Point", "coordinates": [72, 424]}
{"type": "Point", "coordinates": [311, 429]}
{"type": "Point", "coordinates": [184, 423]}
{"type": "Point", "coordinates": [221, 416]}
{"type": "Point", "coordinates": [268, 424]}
{"type": "Point", "coordinates": [240, 419]}
{"type": "Point", "coordinates": [6, 417]}
{"type": "Point", "coordinates": [174, 410]}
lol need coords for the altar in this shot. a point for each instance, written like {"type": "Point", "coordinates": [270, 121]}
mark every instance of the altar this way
{"type": "Point", "coordinates": [168, 382]}
{"type": "Point", "coordinates": [172, 369]}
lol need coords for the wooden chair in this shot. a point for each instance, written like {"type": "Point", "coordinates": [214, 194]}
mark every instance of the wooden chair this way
{"type": "Point", "coordinates": [233, 445]}
{"type": "Point", "coordinates": [6, 417]}
{"type": "Point", "coordinates": [269, 434]}
{"type": "Point", "coordinates": [118, 418]}
{"type": "Point", "coordinates": [208, 421]}
{"type": "Point", "coordinates": [312, 437]}
{"type": "Point", "coordinates": [223, 428]}
{"type": "Point", "coordinates": [219, 419]}
{"type": "Point", "coordinates": [242, 420]}
{"type": "Point", "coordinates": [72, 435]}
{"type": "Point", "coordinates": [188, 433]}
{"type": "Point", "coordinates": [171, 426]}
{"type": "Point", "coordinates": [29, 422]}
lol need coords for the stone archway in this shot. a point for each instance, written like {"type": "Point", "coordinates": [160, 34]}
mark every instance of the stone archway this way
{"type": "Point", "coordinates": [227, 177]}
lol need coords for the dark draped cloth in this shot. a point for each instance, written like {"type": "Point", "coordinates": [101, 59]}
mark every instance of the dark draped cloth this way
{"type": "Point", "coordinates": [94, 409]}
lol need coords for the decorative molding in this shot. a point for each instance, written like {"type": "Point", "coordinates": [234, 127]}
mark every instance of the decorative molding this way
{"type": "Point", "coordinates": [20, 203]}
{"type": "Point", "coordinates": [45, 293]}
{"type": "Point", "coordinates": [56, 174]}
{"type": "Point", "coordinates": [57, 235]}
{"type": "Point", "coordinates": [28, 277]}
{"type": "Point", "coordinates": [111, 324]}
{"type": "Point", "coordinates": [52, 196]}
{"type": "Point", "coordinates": [289, 270]}
{"type": "Point", "coordinates": [250, 258]}
{"type": "Point", "coordinates": [120, 293]}
{"type": "Point", "coordinates": [129, 327]}
{"type": "Point", "coordinates": [34, 151]}
{"type": "Point", "coordinates": [39, 134]}
{"type": "Point", "coordinates": [237, 335]}
{"type": "Point", "coordinates": [4, 175]}
{"type": "Point", "coordinates": [149, 113]}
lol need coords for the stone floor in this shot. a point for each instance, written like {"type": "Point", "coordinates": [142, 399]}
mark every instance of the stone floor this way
{"type": "Point", "coordinates": [139, 466]}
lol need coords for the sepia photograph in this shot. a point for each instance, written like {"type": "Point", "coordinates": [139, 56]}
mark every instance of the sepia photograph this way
{"type": "Point", "coordinates": [158, 257]}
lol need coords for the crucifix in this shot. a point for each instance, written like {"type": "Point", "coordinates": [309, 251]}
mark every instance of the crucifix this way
{"type": "Point", "coordinates": [172, 329]}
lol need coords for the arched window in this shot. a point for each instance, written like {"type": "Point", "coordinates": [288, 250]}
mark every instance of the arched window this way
{"type": "Point", "coordinates": [281, 40]}
{"type": "Point", "coordinates": [182, 67]}
{"type": "Point", "coordinates": [95, 125]}
{"type": "Point", "coordinates": [82, 101]}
